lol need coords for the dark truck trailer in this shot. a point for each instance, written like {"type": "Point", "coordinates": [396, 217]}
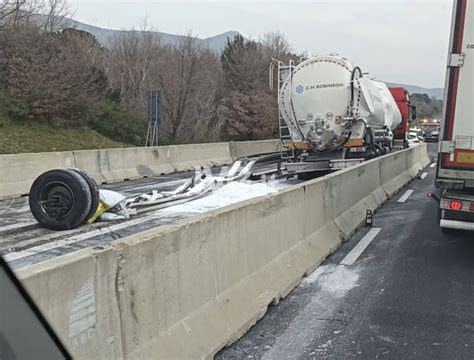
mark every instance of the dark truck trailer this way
{"type": "Point", "coordinates": [455, 171]}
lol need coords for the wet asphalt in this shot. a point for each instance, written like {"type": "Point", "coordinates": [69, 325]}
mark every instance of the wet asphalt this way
{"type": "Point", "coordinates": [410, 294]}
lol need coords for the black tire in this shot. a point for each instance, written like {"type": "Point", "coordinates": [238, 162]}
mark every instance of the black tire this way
{"type": "Point", "coordinates": [94, 192]}
{"type": "Point", "coordinates": [60, 199]}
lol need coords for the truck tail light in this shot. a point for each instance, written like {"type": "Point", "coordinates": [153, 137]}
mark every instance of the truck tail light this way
{"type": "Point", "coordinates": [455, 205]}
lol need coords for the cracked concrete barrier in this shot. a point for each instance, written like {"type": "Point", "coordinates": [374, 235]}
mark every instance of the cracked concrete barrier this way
{"type": "Point", "coordinates": [186, 290]}
{"type": "Point", "coordinates": [18, 171]}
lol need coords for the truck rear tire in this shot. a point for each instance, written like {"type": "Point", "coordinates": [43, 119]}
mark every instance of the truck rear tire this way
{"type": "Point", "coordinates": [60, 199]}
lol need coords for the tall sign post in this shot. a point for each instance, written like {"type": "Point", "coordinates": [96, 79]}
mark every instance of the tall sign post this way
{"type": "Point", "coordinates": [154, 117]}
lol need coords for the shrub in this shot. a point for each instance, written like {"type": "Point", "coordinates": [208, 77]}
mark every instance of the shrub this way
{"type": "Point", "coordinates": [116, 124]}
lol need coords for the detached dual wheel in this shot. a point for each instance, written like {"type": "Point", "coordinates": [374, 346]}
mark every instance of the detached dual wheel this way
{"type": "Point", "coordinates": [63, 199]}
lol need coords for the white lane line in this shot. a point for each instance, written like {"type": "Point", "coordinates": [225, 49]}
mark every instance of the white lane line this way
{"type": "Point", "coordinates": [425, 174]}
{"type": "Point", "coordinates": [433, 165]}
{"type": "Point", "coordinates": [16, 226]}
{"type": "Point", "coordinates": [354, 254]}
{"type": "Point", "coordinates": [74, 239]}
{"type": "Point", "coordinates": [406, 196]}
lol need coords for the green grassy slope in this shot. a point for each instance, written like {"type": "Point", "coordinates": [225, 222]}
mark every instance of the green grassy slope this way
{"type": "Point", "coordinates": [16, 138]}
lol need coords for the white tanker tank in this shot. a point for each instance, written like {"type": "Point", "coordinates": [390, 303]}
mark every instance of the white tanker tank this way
{"type": "Point", "coordinates": [328, 106]}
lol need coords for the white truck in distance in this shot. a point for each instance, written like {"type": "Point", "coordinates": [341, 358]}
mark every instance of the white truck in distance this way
{"type": "Point", "coordinates": [455, 172]}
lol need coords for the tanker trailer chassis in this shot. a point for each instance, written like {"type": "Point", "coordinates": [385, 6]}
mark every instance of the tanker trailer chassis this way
{"type": "Point", "coordinates": [300, 161]}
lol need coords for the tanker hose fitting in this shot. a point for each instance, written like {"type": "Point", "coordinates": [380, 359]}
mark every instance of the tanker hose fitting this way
{"type": "Point", "coordinates": [361, 75]}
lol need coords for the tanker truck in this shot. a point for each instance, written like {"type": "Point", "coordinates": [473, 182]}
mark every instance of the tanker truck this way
{"type": "Point", "coordinates": [332, 115]}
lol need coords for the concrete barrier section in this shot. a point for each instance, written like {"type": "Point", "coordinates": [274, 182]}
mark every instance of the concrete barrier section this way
{"type": "Point", "coordinates": [186, 290]}
{"type": "Point", "coordinates": [78, 294]}
{"type": "Point", "coordinates": [354, 191]}
{"type": "Point", "coordinates": [118, 164]}
{"type": "Point", "coordinates": [17, 172]}
{"type": "Point", "coordinates": [245, 148]}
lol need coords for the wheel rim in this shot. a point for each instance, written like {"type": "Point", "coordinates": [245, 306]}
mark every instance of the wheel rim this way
{"type": "Point", "coordinates": [56, 200]}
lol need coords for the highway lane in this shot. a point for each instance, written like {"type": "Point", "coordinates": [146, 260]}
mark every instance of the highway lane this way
{"type": "Point", "coordinates": [25, 243]}
{"type": "Point", "coordinates": [408, 295]}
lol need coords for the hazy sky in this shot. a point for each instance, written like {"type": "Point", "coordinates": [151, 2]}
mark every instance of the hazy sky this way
{"type": "Point", "coordinates": [397, 41]}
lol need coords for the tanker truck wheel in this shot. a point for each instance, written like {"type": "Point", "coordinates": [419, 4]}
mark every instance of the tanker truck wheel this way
{"type": "Point", "coordinates": [60, 199]}
{"type": "Point", "coordinates": [94, 191]}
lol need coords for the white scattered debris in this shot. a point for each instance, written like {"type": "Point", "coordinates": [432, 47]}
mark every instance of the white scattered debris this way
{"type": "Point", "coordinates": [200, 193]}
{"type": "Point", "coordinates": [314, 276]}
{"type": "Point", "coordinates": [226, 195]}
{"type": "Point", "coordinates": [336, 280]}
{"type": "Point", "coordinates": [339, 281]}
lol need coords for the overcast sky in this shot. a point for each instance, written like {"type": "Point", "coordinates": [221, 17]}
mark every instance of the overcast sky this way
{"type": "Point", "coordinates": [397, 41]}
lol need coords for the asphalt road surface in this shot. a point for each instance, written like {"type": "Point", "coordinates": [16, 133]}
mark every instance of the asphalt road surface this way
{"type": "Point", "coordinates": [408, 295]}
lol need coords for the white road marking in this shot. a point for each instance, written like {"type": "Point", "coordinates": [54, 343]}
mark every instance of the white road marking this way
{"type": "Point", "coordinates": [433, 165]}
{"type": "Point", "coordinates": [425, 174]}
{"type": "Point", "coordinates": [16, 226]}
{"type": "Point", "coordinates": [354, 254]}
{"type": "Point", "coordinates": [74, 239]}
{"type": "Point", "coordinates": [406, 196]}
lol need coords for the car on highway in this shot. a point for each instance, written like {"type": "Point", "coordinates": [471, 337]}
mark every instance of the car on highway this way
{"type": "Point", "coordinates": [413, 139]}
{"type": "Point", "coordinates": [430, 135]}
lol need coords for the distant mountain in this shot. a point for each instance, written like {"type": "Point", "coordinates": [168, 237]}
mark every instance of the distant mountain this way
{"type": "Point", "coordinates": [104, 36]}
{"type": "Point", "coordinates": [437, 93]}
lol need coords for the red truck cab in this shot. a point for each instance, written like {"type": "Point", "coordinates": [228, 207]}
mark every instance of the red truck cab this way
{"type": "Point", "coordinates": [408, 112]}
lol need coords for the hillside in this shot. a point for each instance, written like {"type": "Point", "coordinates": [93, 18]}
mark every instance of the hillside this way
{"type": "Point", "coordinates": [33, 138]}
{"type": "Point", "coordinates": [437, 93]}
{"type": "Point", "coordinates": [427, 107]}
{"type": "Point", "coordinates": [105, 36]}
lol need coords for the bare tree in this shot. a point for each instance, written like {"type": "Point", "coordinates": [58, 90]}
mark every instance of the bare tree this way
{"type": "Point", "coordinates": [128, 65]}
{"type": "Point", "coordinates": [55, 12]}
{"type": "Point", "coordinates": [13, 13]}
{"type": "Point", "coordinates": [51, 15]}
{"type": "Point", "coordinates": [275, 44]}
{"type": "Point", "coordinates": [189, 75]}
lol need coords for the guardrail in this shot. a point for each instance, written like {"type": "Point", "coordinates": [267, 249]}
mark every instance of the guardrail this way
{"type": "Point", "coordinates": [186, 290]}
{"type": "Point", "coordinates": [18, 171]}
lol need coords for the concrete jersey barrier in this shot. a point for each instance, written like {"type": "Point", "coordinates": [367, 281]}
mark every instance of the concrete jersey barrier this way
{"type": "Point", "coordinates": [186, 290]}
{"type": "Point", "coordinates": [18, 171]}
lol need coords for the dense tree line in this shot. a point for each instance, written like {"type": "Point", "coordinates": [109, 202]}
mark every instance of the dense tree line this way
{"type": "Point", "coordinates": [63, 77]}
{"type": "Point", "coordinates": [427, 107]}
